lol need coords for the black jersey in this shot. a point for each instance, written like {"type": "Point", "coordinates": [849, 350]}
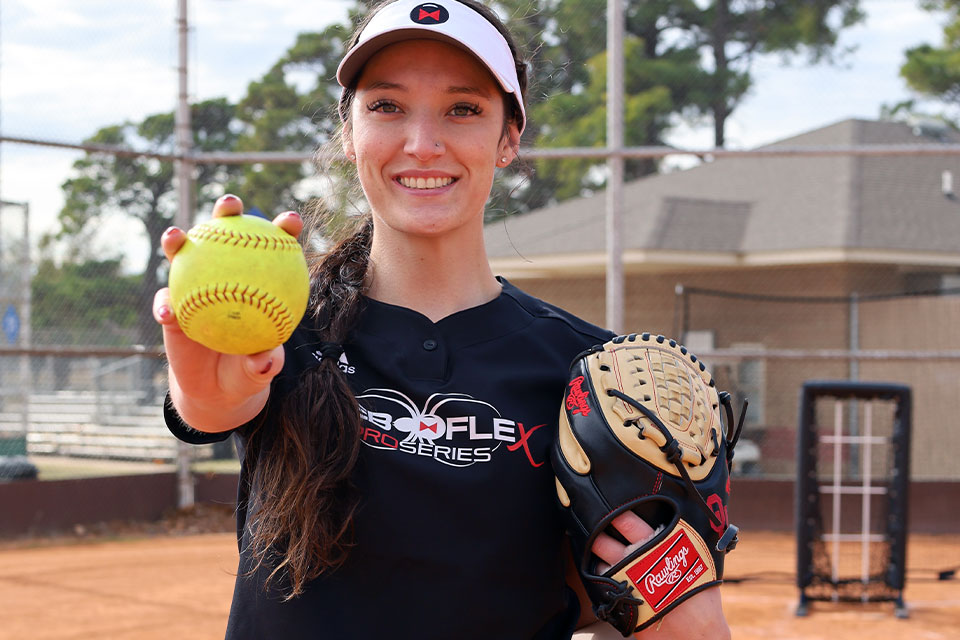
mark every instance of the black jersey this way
{"type": "Point", "coordinates": [458, 534]}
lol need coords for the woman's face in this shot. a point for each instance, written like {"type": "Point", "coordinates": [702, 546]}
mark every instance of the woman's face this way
{"type": "Point", "coordinates": [426, 132]}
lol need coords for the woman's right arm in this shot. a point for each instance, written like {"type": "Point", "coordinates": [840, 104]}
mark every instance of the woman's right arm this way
{"type": "Point", "coordinates": [215, 391]}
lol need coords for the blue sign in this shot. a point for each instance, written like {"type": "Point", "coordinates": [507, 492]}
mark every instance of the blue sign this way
{"type": "Point", "coordinates": [11, 324]}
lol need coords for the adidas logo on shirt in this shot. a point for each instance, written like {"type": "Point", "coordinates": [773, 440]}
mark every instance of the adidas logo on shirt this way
{"type": "Point", "coordinates": [343, 363]}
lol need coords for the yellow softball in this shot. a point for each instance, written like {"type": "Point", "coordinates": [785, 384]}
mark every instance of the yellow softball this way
{"type": "Point", "coordinates": [239, 284]}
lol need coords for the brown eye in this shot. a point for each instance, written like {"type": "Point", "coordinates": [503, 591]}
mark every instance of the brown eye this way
{"type": "Point", "coordinates": [384, 106]}
{"type": "Point", "coordinates": [463, 110]}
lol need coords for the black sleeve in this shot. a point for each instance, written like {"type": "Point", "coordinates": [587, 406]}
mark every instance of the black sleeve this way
{"type": "Point", "coordinates": [182, 431]}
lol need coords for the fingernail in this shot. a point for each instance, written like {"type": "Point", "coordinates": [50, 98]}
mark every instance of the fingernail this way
{"type": "Point", "coordinates": [227, 205]}
{"type": "Point", "coordinates": [169, 232]}
{"type": "Point", "coordinates": [292, 214]}
{"type": "Point", "coordinates": [267, 368]}
{"type": "Point", "coordinates": [163, 312]}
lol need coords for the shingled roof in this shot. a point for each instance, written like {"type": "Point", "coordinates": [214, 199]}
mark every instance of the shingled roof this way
{"type": "Point", "coordinates": [743, 211]}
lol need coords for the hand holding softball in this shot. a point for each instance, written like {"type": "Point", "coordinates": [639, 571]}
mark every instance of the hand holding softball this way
{"type": "Point", "coordinates": [208, 386]}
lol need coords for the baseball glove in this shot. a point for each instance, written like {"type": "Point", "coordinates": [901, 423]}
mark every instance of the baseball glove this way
{"type": "Point", "coordinates": [641, 429]}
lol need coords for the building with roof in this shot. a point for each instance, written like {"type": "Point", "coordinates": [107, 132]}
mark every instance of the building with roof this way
{"type": "Point", "coordinates": [791, 253]}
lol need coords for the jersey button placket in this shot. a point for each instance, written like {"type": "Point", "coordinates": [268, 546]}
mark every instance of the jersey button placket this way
{"type": "Point", "coordinates": [432, 361]}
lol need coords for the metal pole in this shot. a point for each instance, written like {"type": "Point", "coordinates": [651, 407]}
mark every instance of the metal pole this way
{"type": "Point", "coordinates": [854, 374]}
{"type": "Point", "coordinates": [614, 225]}
{"type": "Point", "coordinates": [25, 336]}
{"type": "Point", "coordinates": [22, 298]}
{"type": "Point", "coordinates": [184, 170]}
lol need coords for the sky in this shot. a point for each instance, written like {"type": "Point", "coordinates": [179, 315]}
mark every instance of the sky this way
{"type": "Point", "coordinates": [68, 68]}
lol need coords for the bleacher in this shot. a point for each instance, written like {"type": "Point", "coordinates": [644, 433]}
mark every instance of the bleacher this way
{"type": "Point", "coordinates": [109, 425]}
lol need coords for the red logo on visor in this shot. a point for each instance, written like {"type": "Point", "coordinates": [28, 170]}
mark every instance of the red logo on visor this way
{"type": "Point", "coordinates": [429, 13]}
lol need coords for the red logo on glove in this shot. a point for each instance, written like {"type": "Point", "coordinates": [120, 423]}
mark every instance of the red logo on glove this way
{"type": "Point", "coordinates": [715, 503]}
{"type": "Point", "coordinates": [667, 571]}
{"type": "Point", "coordinates": [577, 399]}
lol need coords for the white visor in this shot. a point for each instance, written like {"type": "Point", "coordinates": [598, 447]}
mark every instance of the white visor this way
{"type": "Point", "coordinates": [449, 21]}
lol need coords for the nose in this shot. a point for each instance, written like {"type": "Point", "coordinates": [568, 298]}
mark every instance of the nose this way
{"type": "Point", "coordinates": [424, 140]}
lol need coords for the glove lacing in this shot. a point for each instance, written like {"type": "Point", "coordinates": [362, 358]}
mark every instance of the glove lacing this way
{"type": "Point", "coordinates": [675, 456]}
{"type": "Point", "coordinates": [615, 598]}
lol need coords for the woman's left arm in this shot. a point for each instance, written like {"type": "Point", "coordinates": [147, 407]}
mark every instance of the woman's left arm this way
{"type": "Point", "coordinates": [699, 617]}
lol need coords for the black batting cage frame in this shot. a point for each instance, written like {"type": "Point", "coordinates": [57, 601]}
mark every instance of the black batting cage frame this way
{"type": "Point", "coordinates": [885, 580]}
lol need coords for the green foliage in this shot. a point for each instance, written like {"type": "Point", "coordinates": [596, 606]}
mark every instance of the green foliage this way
{"type": "Point", "coordinates": [73, 302]}
{"type": "Point", "coordinates": [684, 60]}
{"type": "Point", "coordinates": [652, 93]}
{"type": "Point", "coordinates": [141, 188]}
{"type": "Point", "coordinates": [935, 71]}
{"type": "Point", "coordinates": [291, 108]}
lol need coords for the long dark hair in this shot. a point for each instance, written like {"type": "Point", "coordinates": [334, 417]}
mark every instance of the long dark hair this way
{"type": "Point", "coordinates": [303, 498]}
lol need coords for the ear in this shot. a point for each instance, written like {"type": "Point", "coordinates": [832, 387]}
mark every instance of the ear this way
{"type": "Point", "coordinates": [509, 146]}
{"type": "Point", "coordinates": [346, 141]}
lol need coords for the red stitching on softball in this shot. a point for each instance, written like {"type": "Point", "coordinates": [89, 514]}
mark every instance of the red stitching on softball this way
{"type": "Point", "coordinates": [197, 300]}
{"type": "Point", "coordinates": [248, 240]}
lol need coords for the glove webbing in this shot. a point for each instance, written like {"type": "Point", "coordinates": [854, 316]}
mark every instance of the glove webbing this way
{"type": "Point", "coordinates": [672, 451]}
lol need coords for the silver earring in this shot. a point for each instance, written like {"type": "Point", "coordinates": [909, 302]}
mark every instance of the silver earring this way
{"type": "Point", "coordinates": [503, 160]}
{"type": "Point", "coordinates": [351, 157]}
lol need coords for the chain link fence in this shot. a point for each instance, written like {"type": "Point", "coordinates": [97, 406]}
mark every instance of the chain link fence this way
{"type": "Point", "coordinates": [81, 372]}
{"type": "Point", "coordinates": [762, 347]}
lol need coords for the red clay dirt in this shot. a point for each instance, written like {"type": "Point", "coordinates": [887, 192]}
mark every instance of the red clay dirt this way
{"type": "Point", "coordinates": [179, 586]}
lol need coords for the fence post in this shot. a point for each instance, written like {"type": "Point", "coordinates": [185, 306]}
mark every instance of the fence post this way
{"type": "Point", "coordinates": [185, 184]}
{"type": "Point", "coordinates": [853, 417]}
{"type": "Point", "coordinates": [615, 162]}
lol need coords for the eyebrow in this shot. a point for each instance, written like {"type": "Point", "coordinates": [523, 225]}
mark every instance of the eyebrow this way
{"type": "Point", "coordinates": [475, 91]}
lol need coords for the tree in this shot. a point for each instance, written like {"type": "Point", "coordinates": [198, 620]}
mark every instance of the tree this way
{"type": "Point", "coordinates": [142, 188]}
{"type": "Point", "coordinates": [655, 90]}
{"type": "Point", "coordinates": [935, 71]}
{"type": "Point", "coordinates": [566, 42]}
{"type": "Point", "coordinates": [685, 59]}
{"type": "Point", "coordinates": [62, 313]}
{"type": "Point", "coordinates": [292, 107]}
{"type": "Point", "coordinates": [734, 32]}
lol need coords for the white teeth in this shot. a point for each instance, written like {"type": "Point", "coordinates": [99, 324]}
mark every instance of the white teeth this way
{"type": "Point", "coordinates": [425, 183]}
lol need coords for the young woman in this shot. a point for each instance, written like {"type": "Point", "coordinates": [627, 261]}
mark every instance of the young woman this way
{"type": "Point", "coordinates": [395, 479]}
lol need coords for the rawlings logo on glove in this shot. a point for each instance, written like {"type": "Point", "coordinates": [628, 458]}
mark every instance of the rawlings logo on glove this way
{"type": "Point", "coordinates": [641, 429]}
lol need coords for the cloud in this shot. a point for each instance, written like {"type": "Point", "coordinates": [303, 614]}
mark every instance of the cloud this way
{"type": "Point", "coordinates": [49, 93]}
{"type": "Point", "coordinates": [71, 68]}
{"type": "Point", "coordinates": [33, 175]}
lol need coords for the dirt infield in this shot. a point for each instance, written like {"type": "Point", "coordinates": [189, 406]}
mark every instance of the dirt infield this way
{"type": "Point", "coordinates": [180, 587]}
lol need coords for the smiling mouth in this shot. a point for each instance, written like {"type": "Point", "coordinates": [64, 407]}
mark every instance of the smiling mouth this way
{"type": "Point", "coordinates": [425, 183]}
